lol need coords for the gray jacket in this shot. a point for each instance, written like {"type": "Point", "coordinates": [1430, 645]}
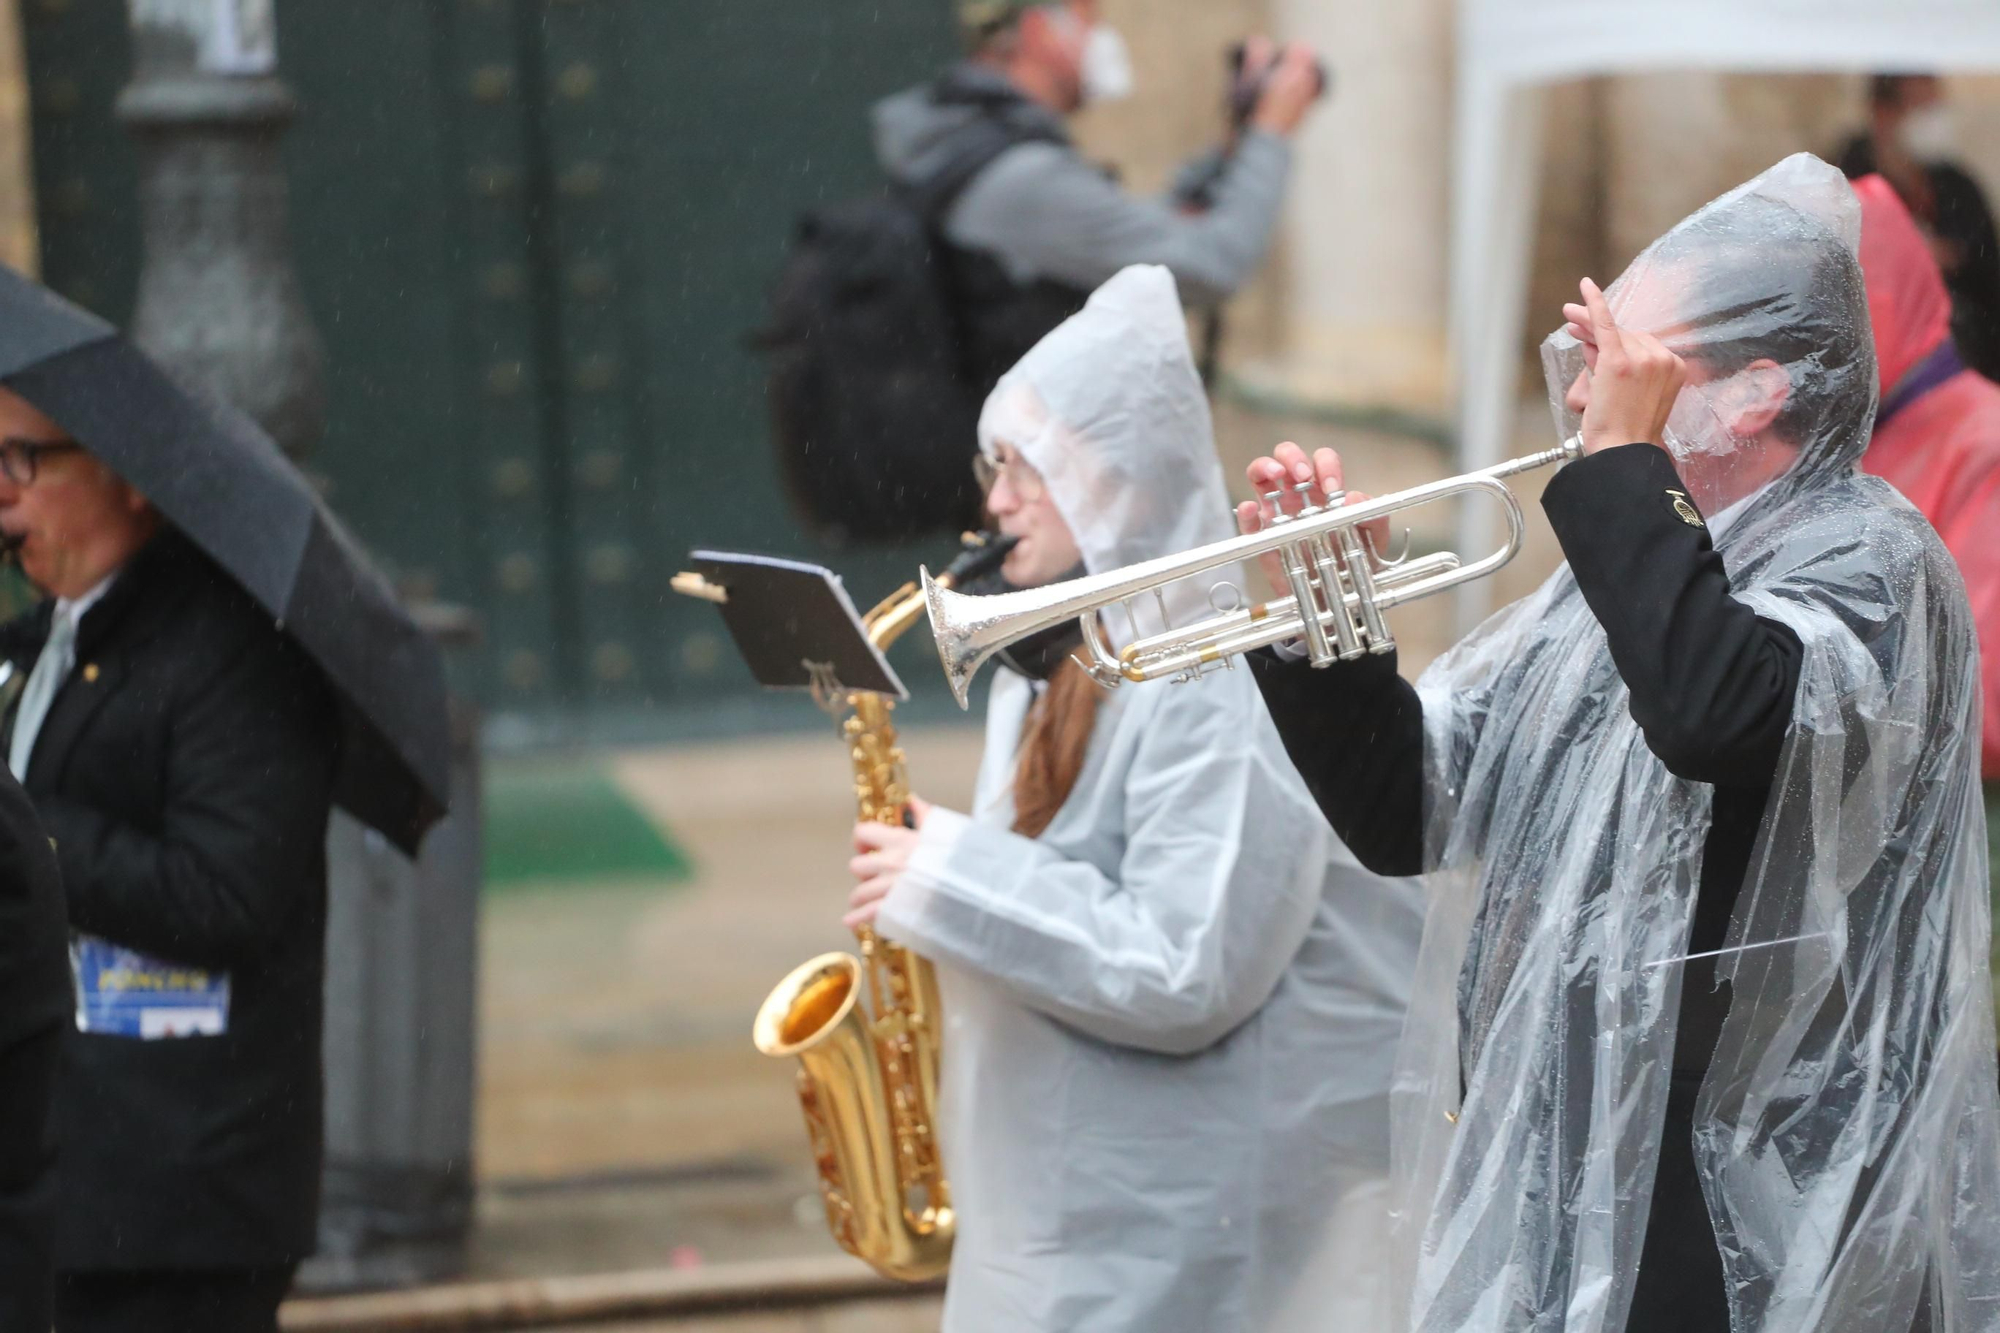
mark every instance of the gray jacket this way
{"type": "Point", "coordinates": [1043, 211]}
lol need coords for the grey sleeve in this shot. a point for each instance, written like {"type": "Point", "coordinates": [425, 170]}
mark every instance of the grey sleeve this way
{"type": "Point", "coordinates": [1205, 166]}
{"type": "Point", "coordinates": [1047, 213]}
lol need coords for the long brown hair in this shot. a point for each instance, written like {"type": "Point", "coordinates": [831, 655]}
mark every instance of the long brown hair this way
{"type": "Point", "coordinates": [1058, 734]}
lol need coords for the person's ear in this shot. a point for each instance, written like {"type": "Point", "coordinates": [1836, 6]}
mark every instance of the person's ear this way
{"type": "Point", "coordinates": [1754, 398]}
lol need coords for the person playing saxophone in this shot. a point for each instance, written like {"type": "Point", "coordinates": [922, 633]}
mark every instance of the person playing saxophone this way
{"type": "Point", "coordinates": [1171, 996]}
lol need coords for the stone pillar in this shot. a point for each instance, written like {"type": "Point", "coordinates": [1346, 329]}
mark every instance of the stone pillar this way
{"type": "Point", "coordinates": [402, 950]}
{"type": "Point", "coordinates": [218, 299]}
{"type": "Point", "coordinates": [219, 304]}
{"type": "Point", "coordinates": [1367, 226]}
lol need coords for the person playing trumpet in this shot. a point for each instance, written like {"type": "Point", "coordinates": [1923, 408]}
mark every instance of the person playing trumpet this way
{"type": "Point", "coordinates": [1703, 1035]}
{"type": "Point", "coordinates": [1170, 996]}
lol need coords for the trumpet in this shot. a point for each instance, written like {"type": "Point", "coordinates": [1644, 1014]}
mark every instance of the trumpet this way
{"type": "Point", "coordinates": [1337, 588]}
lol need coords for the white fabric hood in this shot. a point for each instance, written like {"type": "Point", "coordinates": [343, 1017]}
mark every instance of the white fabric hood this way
{"type": "Point", "coordinates": [1109, 409]}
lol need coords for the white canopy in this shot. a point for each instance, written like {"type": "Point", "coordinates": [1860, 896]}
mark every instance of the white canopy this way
{"type": "Point", "coordinates": [1509, 49]}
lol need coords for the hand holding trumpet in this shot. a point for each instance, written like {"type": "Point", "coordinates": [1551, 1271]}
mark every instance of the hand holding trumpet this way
{"type": "Point", "coordinates": [1630, 378]}
{"type": "Point", "coordinates": [1283, 470]}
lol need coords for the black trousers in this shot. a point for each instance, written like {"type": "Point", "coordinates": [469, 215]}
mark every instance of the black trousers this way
{"type": "Point", "coordinates": [223, 1300]}
{"type": "Point", "coordinates": [27, 1183]}
{"type": "Point", "coordinates": [1680, 1285]}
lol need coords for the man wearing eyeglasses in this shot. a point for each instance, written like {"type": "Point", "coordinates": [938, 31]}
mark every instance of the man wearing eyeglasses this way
{"type": "Point", "coordinates": [180, 750]}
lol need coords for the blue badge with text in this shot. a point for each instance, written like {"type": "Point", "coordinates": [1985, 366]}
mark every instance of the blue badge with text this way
{"type": "Point", "coordinates": [121, 992]}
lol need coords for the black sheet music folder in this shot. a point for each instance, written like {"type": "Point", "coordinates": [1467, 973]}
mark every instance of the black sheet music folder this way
{"type": "Point", "coordinates": [795, 624]}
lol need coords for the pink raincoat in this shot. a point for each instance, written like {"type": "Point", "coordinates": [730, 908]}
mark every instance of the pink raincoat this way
{"type": "Point", "coordinates": [1937, 433]}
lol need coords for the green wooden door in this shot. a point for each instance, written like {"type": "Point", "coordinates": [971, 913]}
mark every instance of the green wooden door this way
{"type": "Point", "coordinates": [535, 235]}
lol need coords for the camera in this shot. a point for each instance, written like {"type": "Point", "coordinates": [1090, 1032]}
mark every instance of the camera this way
{"type": "Point", "coordinates": [1245, 90]}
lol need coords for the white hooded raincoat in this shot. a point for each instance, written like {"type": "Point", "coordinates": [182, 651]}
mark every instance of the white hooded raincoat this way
{"type": "Point", "coordinates": [1170, 1018]}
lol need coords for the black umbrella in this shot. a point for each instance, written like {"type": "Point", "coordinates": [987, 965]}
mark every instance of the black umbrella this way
{"type": "Point", "coordinates": [216, 476]}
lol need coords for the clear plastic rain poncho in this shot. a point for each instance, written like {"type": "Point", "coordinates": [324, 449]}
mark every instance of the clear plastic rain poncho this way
{"type": "Point", "coordinates": [1171, 1018]}
{"type": "Point", "coordinates": [1846, 1133]}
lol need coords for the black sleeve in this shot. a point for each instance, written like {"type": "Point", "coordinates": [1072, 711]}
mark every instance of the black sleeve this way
{"type": "Point", "coordinates": [1711, 681]}
{"type": "Point", "coordinates": [1355, 732]}
{"type": "Point", "coordinates": [34, 931]}
{"type": "Point", "coordinates": [249, 780]}
{"type": "Point", "coordinates": [35, 1006]}
{"type": "Point", "coordinates": [27, 1181]}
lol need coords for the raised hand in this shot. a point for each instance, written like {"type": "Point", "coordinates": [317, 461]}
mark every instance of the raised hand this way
{"type": "Point", "coordinates": [1289, 92]}
{"type": "Point", "coordinates": [1633, 379]}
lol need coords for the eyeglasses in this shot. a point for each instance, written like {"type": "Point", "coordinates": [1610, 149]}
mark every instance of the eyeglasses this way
{"type": "Point", "coordinates": [1024, 481]}
{"type": "Point", "coordinates": [20, 459]}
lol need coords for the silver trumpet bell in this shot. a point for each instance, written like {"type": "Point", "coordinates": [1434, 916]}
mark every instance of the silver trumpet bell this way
{"type": "Point", "coordinates": [1338, 590]}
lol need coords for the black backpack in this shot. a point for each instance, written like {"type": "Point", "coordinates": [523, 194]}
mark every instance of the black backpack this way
{"type": "Point", "coordinates": [874, 394]}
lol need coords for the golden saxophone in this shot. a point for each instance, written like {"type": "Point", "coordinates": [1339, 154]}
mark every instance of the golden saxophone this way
{"type": "Point", "coordinates": [868, 1074]}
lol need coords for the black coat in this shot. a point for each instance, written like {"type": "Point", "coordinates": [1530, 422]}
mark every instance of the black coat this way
{"type": "Point", "coordinates": [185, 772]}
{"type": "Point", "coordinates": [1711, 686]}
{"type": "Point", "coordinates": [34, 1009]}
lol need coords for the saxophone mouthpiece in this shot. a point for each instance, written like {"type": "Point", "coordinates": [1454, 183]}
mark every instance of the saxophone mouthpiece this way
{"type": "Point", "coordinates": [983, 554]}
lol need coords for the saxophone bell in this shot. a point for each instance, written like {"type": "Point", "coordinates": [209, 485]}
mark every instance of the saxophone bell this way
{"type": "Point", "coordinates": [867, 1120]}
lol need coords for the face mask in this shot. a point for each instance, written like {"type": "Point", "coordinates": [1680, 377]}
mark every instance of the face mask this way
{"type": "Point", "coordinates": [1930, 133]}
{"type": "Point", "coordinates": [1106, 68]}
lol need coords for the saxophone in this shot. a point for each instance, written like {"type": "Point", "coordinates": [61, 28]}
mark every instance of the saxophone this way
{"type": "Point", "coordinates": [868, 1074]}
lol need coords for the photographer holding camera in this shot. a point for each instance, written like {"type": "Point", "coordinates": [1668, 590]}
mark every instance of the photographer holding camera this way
{"type": "Point", "coordinates": [894, 314]}
{"type": "Point", "coordinates": [1031, 225]}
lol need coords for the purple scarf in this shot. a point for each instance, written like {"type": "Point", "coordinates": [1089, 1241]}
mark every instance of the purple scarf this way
{"type": "Point", "coordinates": [1927, 374]}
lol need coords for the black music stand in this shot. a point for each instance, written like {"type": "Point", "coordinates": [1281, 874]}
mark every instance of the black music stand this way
{"type": "Point", "coordinates": [795, 626]}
